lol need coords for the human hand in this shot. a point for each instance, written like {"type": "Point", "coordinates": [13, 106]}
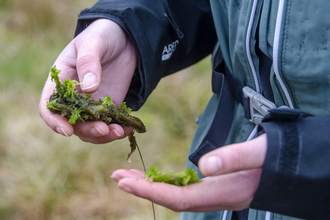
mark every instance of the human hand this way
{"type": "Point", "coordinates": [232, 177]}
{"type": "Point", "coordinates": [104, 61]}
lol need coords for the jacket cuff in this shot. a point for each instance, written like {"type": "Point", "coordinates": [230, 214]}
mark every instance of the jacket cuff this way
{"type": "Point", "coordinates": [296, 174]}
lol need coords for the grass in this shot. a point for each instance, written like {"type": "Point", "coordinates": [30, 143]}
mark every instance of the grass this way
{"type": "Point", "coordinates": [46, 176]}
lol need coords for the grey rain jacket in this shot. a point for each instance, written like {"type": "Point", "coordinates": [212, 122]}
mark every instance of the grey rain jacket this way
{"type": "Point", "coordinates": [295, 35]}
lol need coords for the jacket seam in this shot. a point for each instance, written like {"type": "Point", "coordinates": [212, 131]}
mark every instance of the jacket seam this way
{"type": "Point", "coordinates": [285, 37]}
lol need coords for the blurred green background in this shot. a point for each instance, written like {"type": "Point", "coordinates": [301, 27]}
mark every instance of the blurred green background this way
{"type": "Point", "coordinates": [46, 176]}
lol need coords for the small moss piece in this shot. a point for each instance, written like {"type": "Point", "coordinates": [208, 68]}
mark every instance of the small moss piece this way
{"type": "Point", "coordinates": [54, 75]}
{"type": "Point", "coordinates": [106, 101]}
{"type": "Point", "coordinates": [70, 86]}
{"type": "Point", "coordinates": [75, 116]}
{"type": "Point", "coordinates": [183, 178]}
{"type": "Point", "coordinates": [125, 108]}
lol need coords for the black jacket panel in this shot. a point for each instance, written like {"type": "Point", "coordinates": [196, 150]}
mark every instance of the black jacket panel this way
{"type": "Point", "coordinates": [296, 175]}
{"type": "Point", "coordinates": [169, 36]}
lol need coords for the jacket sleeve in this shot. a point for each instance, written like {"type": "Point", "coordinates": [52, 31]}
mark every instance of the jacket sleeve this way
{"type": "Point", "coordinates": [169, 36]}
{"type": "Point", "coordinates": [295, 180]}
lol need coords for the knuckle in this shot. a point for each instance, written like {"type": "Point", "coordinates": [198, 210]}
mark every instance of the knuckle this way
{"type": "Point", "coordinates": [85, 60]}
{"type": "Point", "coordinates": [183, 203]}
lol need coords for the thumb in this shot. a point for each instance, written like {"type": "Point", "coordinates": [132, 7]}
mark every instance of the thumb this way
{"type": "Point", "coordinates": [236, 157]}
{"type": "Point", "coordinates": [90, 50]}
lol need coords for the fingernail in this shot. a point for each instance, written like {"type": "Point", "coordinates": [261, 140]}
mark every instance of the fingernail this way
{"type": "Point", "coordinates": [96, 132]}
{"type": "Point", "coordinates": [115, 177]}
{"type": "Point", "coordinates": [89, 81]}
{"type": "Point", "coordinates": [125, 188]}
{"type": "Point", "coordinates": [116, 133]}
{"type": "Point", "coordinates": [212, 165]}
{"type": "Point", "coordinates": [61, 131]}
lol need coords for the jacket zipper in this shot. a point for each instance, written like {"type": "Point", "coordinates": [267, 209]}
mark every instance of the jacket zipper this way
{"type": "Point", "coordinates": [276, 51]}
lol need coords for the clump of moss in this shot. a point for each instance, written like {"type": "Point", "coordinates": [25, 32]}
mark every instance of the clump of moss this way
{"type": "Point", "coordinates": [67, 102]}
{"type": "Point", "coordinates": [183, 178]}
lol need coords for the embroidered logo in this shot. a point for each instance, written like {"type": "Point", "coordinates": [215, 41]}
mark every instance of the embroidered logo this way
{"type": "Point", "coordinates": [169, 50]}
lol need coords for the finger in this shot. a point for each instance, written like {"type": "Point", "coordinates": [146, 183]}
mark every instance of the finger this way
{"type": "Point", "coordinates": [115, 132]}
{"type": "Point", "coordinates": [166, 195]}
{"type": "Point", "coordinates": [236, 191]}
{"type": "Point", "coordinates": [90, 129]}
{"type": "Point", "coordinates": [122, 173]}
{"type": "Point", "coordinates": [56, 122]}
{"type": "Point", "coordinates": [93, 46]}
{"type": "Point", "coordinates": [139, 172]}
{"type": "Point", "coordinates": [90, 50]}
{"type": "Point", "coordinates": [236, 157]}
{"type": "Point", "coordinates": [133, 181]}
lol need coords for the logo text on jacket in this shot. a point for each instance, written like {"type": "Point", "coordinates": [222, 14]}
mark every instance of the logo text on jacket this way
{"type": "Point", "coordinates": [169, 50]}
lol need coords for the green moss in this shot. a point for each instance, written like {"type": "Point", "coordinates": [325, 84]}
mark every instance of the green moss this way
{"type": "Point", "coordinates": [106, 101]}
{"type": "Point", "coordinates": [67, 102]}
{"type": "Point", "coordinates": [183, 178]}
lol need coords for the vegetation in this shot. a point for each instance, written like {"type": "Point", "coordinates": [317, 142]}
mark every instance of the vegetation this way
{"type": "Point", "coordinates": [183, 178]}
{"type": "Point", "coordinates": [67, 102]}
{"type": "Point", "coordinates": [44, 175]}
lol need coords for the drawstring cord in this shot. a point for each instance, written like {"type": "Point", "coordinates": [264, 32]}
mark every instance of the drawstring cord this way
{"type": "Point", "coordinates": [168, 15]}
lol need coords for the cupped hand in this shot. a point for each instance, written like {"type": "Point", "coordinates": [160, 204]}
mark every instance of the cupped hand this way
{"type": "Point", "coordinates": [232, 177]}
{"type": "Point", "coordinates": [103, 60]}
